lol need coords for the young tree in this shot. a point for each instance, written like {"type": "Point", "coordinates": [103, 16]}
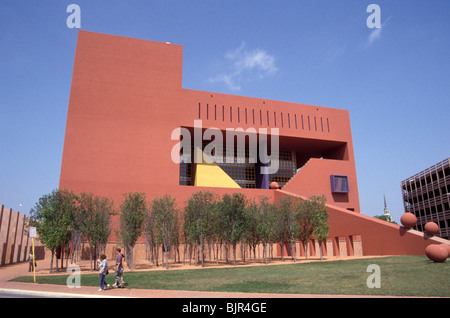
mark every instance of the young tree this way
{"type": "Point", "coordinates": [93, 215]}
{"type": "Point", "coordinates": [133, 210]}
{"type": "Point", "coordinates": [320, 220]}
{"type": "Point", "coordinates": [252, 235]}
{"type": "Point", "coordinates": [266, 225]}
{"type": "Point", "coordinates": [85, 217]}
{"type": "Point", "coordinates": [233, 221]}
{"type": "Point", "coordinates": [102, 221]}
{"type": "Point", "coordinates": [164, 213]}
{"type": "Point", "coordinates": [53, 218]}
{"type": "Point", "coordinates": [150, 237]}
{"type": "Point", "coordinates": [313, 221]}
{"type": "Point", "coordinates": [285, 222]}
{"type": "Point", "coordinates": [304, 218]}
{"type": "Point", "coordinates": [199, 209]}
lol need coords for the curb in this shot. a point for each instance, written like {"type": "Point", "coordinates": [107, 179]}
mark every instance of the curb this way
{"type": "Point", "coordinates": [21, 293]}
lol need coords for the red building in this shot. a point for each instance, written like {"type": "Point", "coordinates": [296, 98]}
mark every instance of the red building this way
{"type": "Point", "coordinates": [127, 109]}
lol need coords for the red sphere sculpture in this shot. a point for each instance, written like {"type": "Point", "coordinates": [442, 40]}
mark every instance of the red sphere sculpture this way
{"type": "Point", "coordinates": [448, 248]}
{"type": "Point", "coordinates": [408, 220]}
{"type": "Point", "coordinates": [437, 252]}
{"type": "Point", "coordinates": [274, 185]}
{"type": "Point", "coordinates": [431, 228]}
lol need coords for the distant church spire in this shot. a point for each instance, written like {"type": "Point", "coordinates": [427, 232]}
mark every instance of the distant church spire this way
{"type": "Point", "coordinates": [386, 211]}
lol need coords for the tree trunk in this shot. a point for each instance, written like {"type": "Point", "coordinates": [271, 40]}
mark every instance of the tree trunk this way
{"type": "Point", "coordinates": [294, 252]}
{"type": "Point", "coordinates": [306, 249]}
{"type": "Point", "coordinates": [282, 245]}
{"type": "Point", "coordinates": [226, 253]}
{"type": "Point", "coordinates": [90, 257]}
{"type": "Point", "coordinates": [265, 252]}
{"type": "Point", "coordinates": [129, 257]}
{"type": "Point", "coordinates": [217, 253]}
{"type": "Point", "coordinates": [201, 250]}
{"type": "Point", "coordinates": [51, 261]}
{"type": "Point", "coordinates": [167, 260]}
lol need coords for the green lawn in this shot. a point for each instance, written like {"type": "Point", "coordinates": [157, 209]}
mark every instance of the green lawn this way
{"type": "Point", "coordinates": [400, 276]}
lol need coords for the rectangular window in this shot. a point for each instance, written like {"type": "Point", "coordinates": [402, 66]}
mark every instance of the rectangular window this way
{"type": "Point", "coordinates": [339, 184]}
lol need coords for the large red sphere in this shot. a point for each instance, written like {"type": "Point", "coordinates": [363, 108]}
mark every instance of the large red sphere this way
{"type": "Point", "coordinates": [408, 220]}
{"type": "Point", "coordinates": [437, 252]}
{"type": "Point", "coordinates": [431, 228]}
{"type": "Point", "coordinates": [274, 185]}
{"type": "Point", "coordinates": [448, 249]}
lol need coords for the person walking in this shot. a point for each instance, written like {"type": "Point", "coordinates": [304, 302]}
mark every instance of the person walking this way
{"type": "Point", "coordinates": [118, 271]}
{"type": "Point", "coordinates": [102, 271]}
{"type": "Point", "coordinates": [30, 262]}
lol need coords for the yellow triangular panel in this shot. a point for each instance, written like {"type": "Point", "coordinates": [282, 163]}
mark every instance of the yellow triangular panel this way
{"type": "Point", "coordinates": [209, 174]}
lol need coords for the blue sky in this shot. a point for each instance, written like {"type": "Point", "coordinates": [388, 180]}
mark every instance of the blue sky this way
{"type": "Point", "coordinates": [394, 80]}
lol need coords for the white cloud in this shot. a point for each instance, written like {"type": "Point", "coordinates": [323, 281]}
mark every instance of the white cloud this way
{"type": "Point", "coordinates": [376, 33]}
{"type": "Point", "coordinates": [245, 65]}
